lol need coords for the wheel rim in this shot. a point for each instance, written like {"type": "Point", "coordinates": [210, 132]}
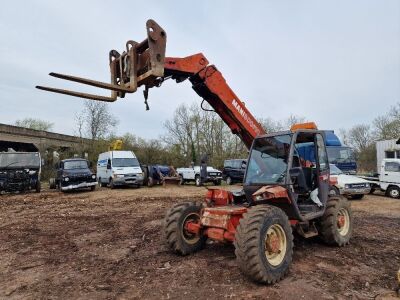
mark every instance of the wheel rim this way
{"type": "Point", "coordinates": [394, 193]}
{"type": "Point", "coordinates": [343, 222]}
{"type": "Point", "coordinates": [275, 245]}
{"type": "Point", "coordinates": [189, 237]}
{"type": "Point", "coordinates": [332, 192]}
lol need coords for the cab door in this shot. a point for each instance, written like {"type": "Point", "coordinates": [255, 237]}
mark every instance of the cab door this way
{"type": "Point", "coordinates": [391, 171]}
{"type": "Point", "coordinates": [322, 168]}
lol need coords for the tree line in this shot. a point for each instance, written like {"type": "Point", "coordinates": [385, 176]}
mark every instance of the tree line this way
{"type": "Point", "coordinates": [193, 132]}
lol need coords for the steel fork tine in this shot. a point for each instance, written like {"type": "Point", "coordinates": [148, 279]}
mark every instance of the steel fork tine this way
{"type": "Point", "coordinates": [77, 94]}
{"type": "Point", "coordinates": [91, 82]}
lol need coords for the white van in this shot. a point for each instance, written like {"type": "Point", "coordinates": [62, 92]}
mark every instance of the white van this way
{"type": "Point", "coordinates": [119, 168]}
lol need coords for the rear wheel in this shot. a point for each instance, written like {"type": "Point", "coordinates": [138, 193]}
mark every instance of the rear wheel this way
{"type": "Point", "coordinates": [228, 180]}
{"type": "Point", "coordinates": [111, 184]}
{"type": "Point", "coordinates": [52, 183]}
{"type": "Point", "coordinates": [38, 186]}
{"type": "Point", "coordinates": [178, 238]}
{"type": "Point", "coordinates": [393, 192]}
{"type": "Point", "coordinates": [181, 180]}
{"type": "Point", "coordinates": [102, 184]}
{"type": "Point", "coordinates": [337, 222]}
{"type": "Point", "coordinates": [264, 244]}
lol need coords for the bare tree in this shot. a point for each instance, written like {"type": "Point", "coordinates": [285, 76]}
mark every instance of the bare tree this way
{"type": "Point", "coordinates": [387, 126]}
{"type": "Point", "coordinates": [95, 121]}
{"type": "Point", "coordinates": [33, 123]}
{"type": "Point", "coordinates": [271, 125]}
{"type": "Point", "coordinates": [80, 124]}
{"type": "Point", "coordinates": [360, 137]}
{"type": "Point", "coordinates": [344, 136]}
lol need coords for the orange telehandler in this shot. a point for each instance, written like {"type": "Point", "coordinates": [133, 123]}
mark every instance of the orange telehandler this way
{"type": "Point", "coordinates": [281, 192]}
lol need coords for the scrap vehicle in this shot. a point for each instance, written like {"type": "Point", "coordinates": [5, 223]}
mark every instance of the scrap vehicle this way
{"type": "Point", "coordinates": [160, 174]}
{"type": "Point", "coordinates": [73, 174]}
{"type": "Point", "coordinates": [119, 168]}
{"type": "Point", "coordinates": [388, 178]}
{"type": "Point", "coordinates": [233, 170]}
{"type": "Point", "coordinates": [280, 193]}
{"type": "Point", "coordinates": [20, 171]}
{"type": "Point", "coordinates": [192, 174]}
{"type": "Point", "coordinates": [348, 185]}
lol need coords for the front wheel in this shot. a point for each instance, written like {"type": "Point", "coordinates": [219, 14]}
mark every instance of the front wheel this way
{"type": "Point", "coordinates": [217, 182]}
{"type": "Point", "coordinates": [357, 197]}
{"type": "Point", "coordinates": [336, 225]}
{"type": "Point", "coordinates": [178, 238]}
{"type": "Point", "coordinates": [334, 191]}
{"type": "Point", "coordinates": [264, 244]}
{"type": "Point", "coordinates": [197, 180]}
{"type": "Point", "coordinates": [92, 188]}
{"type": "Point", "coordinates": [393, 192]}
{"type": "Point", "coordinates": [181, 180]}
{"type": "Point", "coordinates": [228, 180]}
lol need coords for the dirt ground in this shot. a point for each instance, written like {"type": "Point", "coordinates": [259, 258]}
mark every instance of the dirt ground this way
{"type": "Point", "coordinates": [107, 244]}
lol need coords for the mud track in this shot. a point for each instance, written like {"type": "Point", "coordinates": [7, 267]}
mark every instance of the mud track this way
{"type": "Point", "coordinates": [107, 244]}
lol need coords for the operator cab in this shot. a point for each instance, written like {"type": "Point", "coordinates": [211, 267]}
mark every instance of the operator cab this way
{"type": "Point", "coordinates": [284, 173]}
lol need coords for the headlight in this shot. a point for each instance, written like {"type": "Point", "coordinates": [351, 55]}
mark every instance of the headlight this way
{"type": "Point", "coordinates": [66, 179]}
{"type": "Point", "coordinates": [367, 185]}
{"type": "Point", "coordinates": [93, 176]}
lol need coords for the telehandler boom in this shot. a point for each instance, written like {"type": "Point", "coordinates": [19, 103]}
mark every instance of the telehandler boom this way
{"type": "Point", "coordinates": [281, 191]}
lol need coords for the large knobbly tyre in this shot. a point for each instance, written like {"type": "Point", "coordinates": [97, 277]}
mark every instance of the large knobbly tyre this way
{"type": "Point", "coordinates": [264, 244]}
{"type": "Point", "coordinates": [336, 225]}
{"type": "Point", "coordinates": [177, 238]}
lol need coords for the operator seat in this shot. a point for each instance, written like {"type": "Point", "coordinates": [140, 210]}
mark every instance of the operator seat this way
{"type": "Point", "coordinates": [299, 180]}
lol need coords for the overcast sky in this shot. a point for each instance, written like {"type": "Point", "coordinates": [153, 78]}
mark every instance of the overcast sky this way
{"type": "Point", "coordinates": [334, 62]}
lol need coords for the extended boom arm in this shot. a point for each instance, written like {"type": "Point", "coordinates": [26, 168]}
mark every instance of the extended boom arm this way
{"type": "Point", "coordinates": [145, 64]}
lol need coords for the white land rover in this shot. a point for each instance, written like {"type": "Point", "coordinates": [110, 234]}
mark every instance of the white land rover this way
{"type": "Point", "coordinates": [193, 174]}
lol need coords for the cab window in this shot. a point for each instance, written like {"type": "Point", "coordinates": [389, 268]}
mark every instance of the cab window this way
{"type": "Point", "coordinates": [392, 166]}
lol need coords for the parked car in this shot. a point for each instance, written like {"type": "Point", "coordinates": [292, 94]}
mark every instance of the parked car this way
{"type": "Point", "coordinates": [233, 170]}
{"type": "Point", "coordinates": [193, 175]}
{"type": "Point", "coordinates": [20, 171]}
{"type": "Point", "coordinates": [348, 185]}
{"type": "Point", "coordinates": [119, 168]}
{"type": "Point", "coordinates": [73, 174]}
